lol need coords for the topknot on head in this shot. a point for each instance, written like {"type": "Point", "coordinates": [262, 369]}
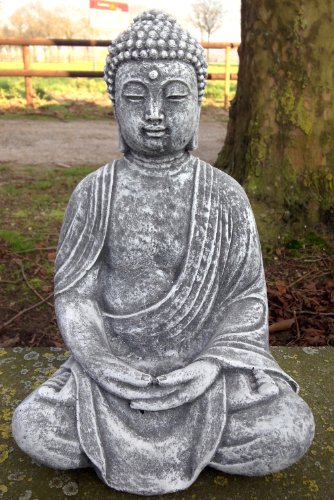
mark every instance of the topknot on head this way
{"type": "Point", "coordinates": [155, 35]}
{"type": "Point", "coordinates": [153, 15]}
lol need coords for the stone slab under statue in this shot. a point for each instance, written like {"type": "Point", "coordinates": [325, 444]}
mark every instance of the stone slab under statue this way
{"type": "Point", "coordinates": [160, 296]}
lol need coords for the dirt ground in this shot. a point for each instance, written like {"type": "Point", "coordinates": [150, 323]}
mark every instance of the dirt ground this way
{"type": "Point", "coordinates": [53, 142]}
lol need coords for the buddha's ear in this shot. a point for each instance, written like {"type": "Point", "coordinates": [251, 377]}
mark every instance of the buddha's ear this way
{"type": "Point", "coordinates": [122, 146]}
{"type": "Point", "coordinates": [193, 143]}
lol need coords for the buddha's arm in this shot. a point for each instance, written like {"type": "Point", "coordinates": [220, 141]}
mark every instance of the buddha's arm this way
{"type": "Point", "coordinates": [80, 321]}
{"type": "Point", "coordinates": [241, 310]}
{"type": "Point", "coordinates": [76, 302]}
{"type": "Point", "coordinates": [81, 325]}
{"type": "Point", "coordinates": [240, 342]}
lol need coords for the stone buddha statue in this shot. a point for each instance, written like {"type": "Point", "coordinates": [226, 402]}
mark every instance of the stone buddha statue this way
{"type": "Point", "coordinates": [160, 296]}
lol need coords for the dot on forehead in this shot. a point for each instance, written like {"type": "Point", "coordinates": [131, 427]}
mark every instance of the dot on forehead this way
{"type": "Point", "coordinates": [153, 75]}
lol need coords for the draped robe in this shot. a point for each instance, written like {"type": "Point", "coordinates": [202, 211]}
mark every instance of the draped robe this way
{"type": "Point", "coordinates": [216, 309]}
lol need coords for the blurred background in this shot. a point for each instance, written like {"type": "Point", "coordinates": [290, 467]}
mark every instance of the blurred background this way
{"type": "Point", "coordinates": [206, 20]}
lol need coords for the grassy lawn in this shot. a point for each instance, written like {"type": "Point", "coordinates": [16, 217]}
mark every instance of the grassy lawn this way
{"type": "Point", "coordinates": [65, 98]}
{"type": "Point", "coordinates": [83, 98]}
{"type": "Point", "coordinates": [43, 196]}
{"type": "Point", "coordinates": [32, 207]}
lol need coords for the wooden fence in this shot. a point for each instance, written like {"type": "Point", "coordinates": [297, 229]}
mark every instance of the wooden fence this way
{"type": "Point", "coordinates": [29, 73]}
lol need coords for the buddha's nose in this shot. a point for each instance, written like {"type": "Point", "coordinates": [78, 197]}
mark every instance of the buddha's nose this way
{"type": "Point", "coordinates": [154, 112]}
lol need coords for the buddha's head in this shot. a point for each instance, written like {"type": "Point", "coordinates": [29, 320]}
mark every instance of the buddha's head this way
{"type": "Point", "coordinates": [155, 74]}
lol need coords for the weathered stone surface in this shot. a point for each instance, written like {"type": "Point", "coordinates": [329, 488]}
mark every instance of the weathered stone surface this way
{"type": "Point", "coordinates": [23, 369]}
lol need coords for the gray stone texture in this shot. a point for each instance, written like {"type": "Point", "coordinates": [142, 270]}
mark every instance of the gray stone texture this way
{"type": "Point", "coordinates": [160, 297]}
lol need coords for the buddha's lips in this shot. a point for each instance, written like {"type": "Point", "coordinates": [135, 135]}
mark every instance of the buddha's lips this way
{"type": "Point", "coordinates": [155, 131]}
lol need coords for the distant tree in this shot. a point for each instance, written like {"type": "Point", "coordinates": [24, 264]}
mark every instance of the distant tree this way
{"type": "Point", "coordinates": [35, 20]}
{"type": "Point", "coordinates": [5, 31]}
{"type": "Point", "coordinates": [3, 25]}
{"type": "Point", "coordinates": [207, 16]}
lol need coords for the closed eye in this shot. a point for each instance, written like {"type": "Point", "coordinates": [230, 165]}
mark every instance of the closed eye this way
{"type": "Point", "coordinates": [176, 97]}
{"type": "Point", "coordinates": [134, 91]}
{"type": "Point", "coordinates": [134, 97]}
{"type": "Point", "coordinates": [176, 90]}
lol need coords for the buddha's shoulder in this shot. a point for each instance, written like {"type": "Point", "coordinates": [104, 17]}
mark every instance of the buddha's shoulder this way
{"type": "Point", "coordinates": [102, 175]}
{"type": "Point", "coordinates": [230, 190]}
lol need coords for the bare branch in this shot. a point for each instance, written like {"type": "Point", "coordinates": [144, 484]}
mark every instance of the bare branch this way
{"type": "Point", "coordinates": [29, 285]}
{"type": "Point", "coordinates": [207, 16]}
{"type": "Point", "coordinates": [24, 311]}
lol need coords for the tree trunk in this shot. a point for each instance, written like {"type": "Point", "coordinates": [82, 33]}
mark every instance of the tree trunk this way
{"type": "Point", "coordinates": [280, 138]}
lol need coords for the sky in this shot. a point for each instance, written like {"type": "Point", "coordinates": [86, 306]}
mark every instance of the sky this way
{"type": "Point", "coordinates": [229, 32]}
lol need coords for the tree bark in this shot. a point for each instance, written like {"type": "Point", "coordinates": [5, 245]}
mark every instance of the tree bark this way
{"type": "Point", "coordinates": [280, 138]}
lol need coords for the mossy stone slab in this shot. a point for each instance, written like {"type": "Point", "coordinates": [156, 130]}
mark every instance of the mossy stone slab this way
{"type": "Point", "coordinates": [24, 369]}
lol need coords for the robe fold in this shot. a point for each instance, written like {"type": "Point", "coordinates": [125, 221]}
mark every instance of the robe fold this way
{"type": "Point", "coordinates": [216, 309]}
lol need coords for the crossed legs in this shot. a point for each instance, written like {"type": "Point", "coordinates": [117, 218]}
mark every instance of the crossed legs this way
{"type": "Point", "coordinates": [261, 439]}
{"type": "Point", "coordinates": [266, 437]}
{"type": "Point", "coordinates": [44, 425]}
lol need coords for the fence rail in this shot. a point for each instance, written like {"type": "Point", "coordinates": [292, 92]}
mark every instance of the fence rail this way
{"type": "Point", "coordinates": [29, 73]}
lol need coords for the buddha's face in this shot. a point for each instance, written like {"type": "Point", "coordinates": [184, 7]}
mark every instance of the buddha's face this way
{"type": "Point", "coordinates": [156, 105]}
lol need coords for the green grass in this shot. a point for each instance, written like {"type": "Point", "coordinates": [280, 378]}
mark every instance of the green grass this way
{"type": "Point", "coordinates": [21, 214]}
{"type": "Point", "coordinates": [16, 241]}
{"type": "Point", "coordinates": [53, 87]}
{"type": "Point", "coordinates": [11, 189]}
{"type": "Point", "coordinates": [220, 68]}
{"type": "Point", "coordinates": [77, 171]}
{"type": "Point", "coordinates": [56, 214]}
{"type": "Point", "coordinates": [215, 90]}
{"type": "Point", "coordinates": [37, 283]}
{"type": "Point", "coordinates": [295, 246]}
{"type": "Point", "coordinates": [42, 184]}
{"type": "Point", "coordinates": [64, 98]}
{"type": "Point", "coordinates": [41, 199]}
{"type": "Point", "coordinates": [31, 212]}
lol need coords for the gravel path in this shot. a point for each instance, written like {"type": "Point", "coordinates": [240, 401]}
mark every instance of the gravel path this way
{"type": "Point", "coordinates": [51, 143]}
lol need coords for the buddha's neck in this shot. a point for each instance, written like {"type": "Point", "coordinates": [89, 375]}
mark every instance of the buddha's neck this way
{"type": "Point", "coordinates": [167, 164]}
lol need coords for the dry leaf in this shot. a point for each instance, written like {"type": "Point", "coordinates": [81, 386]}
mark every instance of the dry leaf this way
{"type": "Point", "coordinates": [281, 287]}
{"type": "Point", "coordinates": [282, 325]}
{"type": "Point", "coordinates": [51, 256]}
